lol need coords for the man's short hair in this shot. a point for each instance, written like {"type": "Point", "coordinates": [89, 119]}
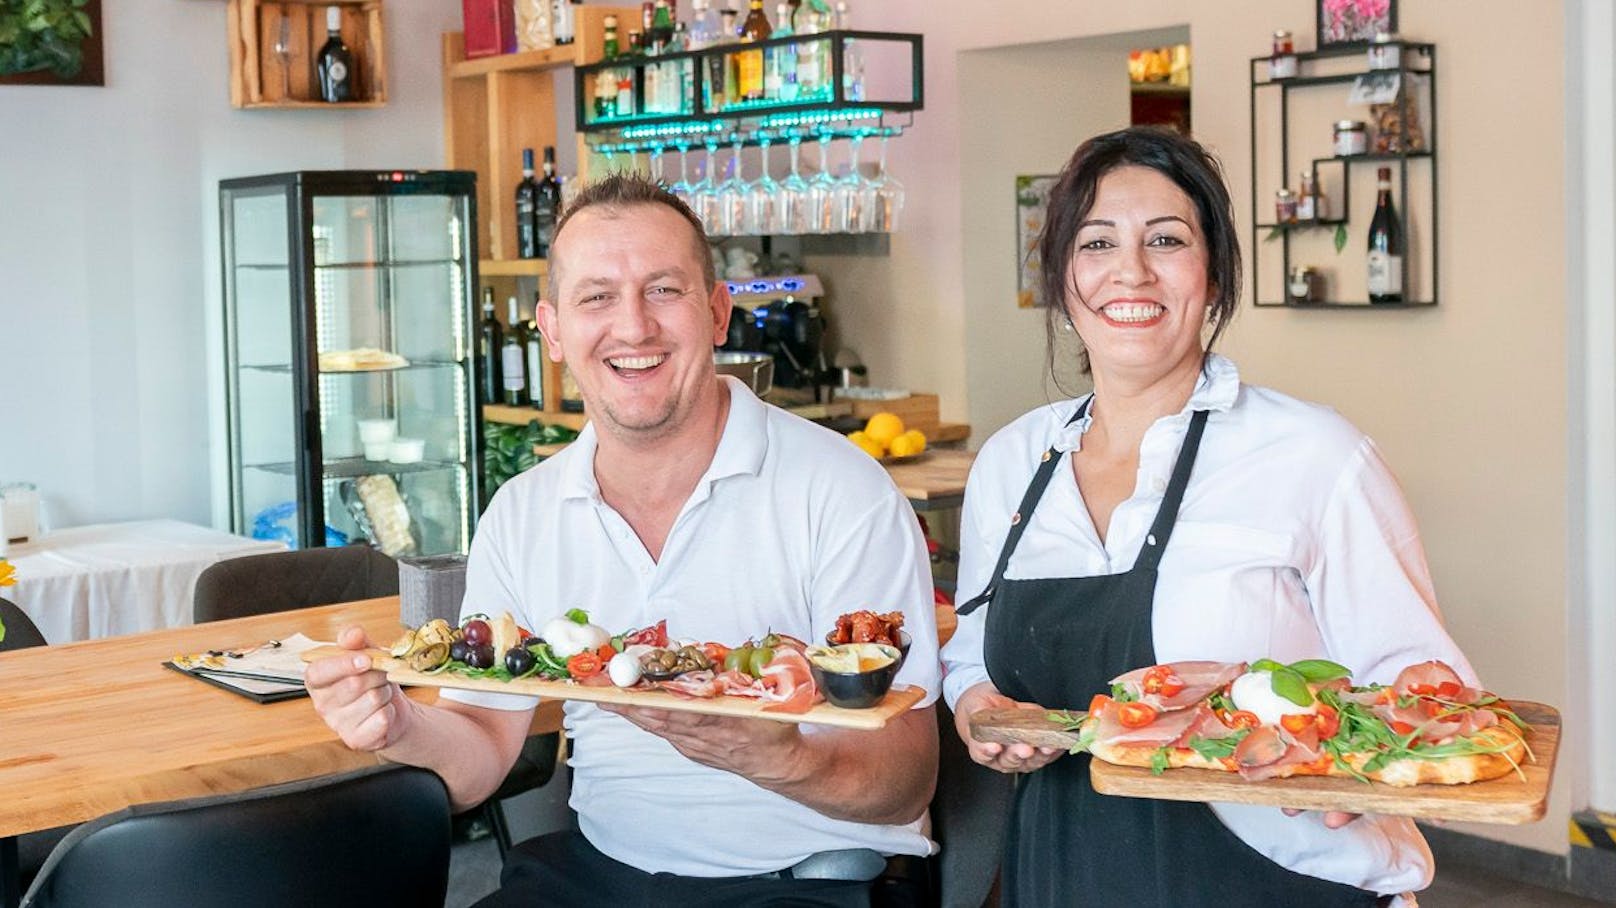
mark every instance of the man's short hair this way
{"type": "Point", "coordinates": [624, 190]}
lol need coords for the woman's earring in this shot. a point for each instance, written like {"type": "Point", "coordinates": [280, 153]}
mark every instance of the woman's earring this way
{"type": "Point", "coordinates": [1069, 325]}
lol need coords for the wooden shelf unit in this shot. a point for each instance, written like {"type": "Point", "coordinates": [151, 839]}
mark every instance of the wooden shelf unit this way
{"type": "Point", "coordinates": [260, 81]}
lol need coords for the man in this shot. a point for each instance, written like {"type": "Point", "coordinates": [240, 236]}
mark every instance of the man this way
{"type": "Point", "coordinates": [689, 499]}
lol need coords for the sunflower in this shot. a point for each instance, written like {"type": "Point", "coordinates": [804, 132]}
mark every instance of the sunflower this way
{"type": "Point", "coordinates": [8, 574]}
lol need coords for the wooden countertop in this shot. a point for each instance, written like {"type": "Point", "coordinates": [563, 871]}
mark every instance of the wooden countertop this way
{"type": "Point", "coordinates": [936, 480]}
{"type": "Point", "coordinates": [93, 727]}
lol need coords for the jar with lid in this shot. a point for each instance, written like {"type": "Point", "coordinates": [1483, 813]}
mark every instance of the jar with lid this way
{"type": "Point", "coordinates": [1282, 61]}
{"type": "Point", "coordinates": [1305, 210]}
{"type": "Point", "coordinates": [1303, 286]}
{"type": "Point", "coordinates": [1385, 52]}
{"type": "Point", "coordinates": [1351, 137]}
{"type": "Point", "coordinates": [1284, 206]}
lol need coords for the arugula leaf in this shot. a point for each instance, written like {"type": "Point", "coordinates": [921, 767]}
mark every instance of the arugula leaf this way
{"type": "Point", "coordinates": [1217, 748]}
{"type": "Point", "coordinates": [1121, 694]}
{"type": "Point", "coordinates": [1318, 671]}
{"type": "Point", "coordinates": [1290, 684]}
{"type": "Point", "coordinates": [1159, 759]}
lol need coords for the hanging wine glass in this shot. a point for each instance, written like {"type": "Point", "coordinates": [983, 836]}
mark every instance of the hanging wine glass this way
{"type": "Point", "coordinates": [821, 189]}
{"type": "Point", "coordinates": [732, 196]}
{"type": "Point", "coordinates": [682, 187]}
{"type": "Point", "coordinates": [705, 191]}
{"type": "Point", "coordinates": [846, 196]}
{"type": "Point", "coordinates": [791, 214]}
{"type": "Point", "coordinates": [883, 197]}
{"type": "Point", "coordinates": [656, 164]}
{"type": "Point", "coordinates": [762, 196]}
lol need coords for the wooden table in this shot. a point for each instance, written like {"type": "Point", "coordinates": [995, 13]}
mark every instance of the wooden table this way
{"type": "Point", "coordinates": [92, 727]}
{"type": "Point", "coordinates": [936, 480]}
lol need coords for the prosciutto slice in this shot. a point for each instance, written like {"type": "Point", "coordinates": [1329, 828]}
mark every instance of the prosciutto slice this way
{"type": "Point", "coordinates": [1269, 750]}
{"type": "Point", "coordinates": [1168, 727]}
{"type": "Point", "coordinates": [1432, 675]}
{"type": "Point", "coordinates": [787, 683]}
{"type": "Point", "coordinates": [702, 685]}
{"type": "Point", "coordinates": [1200, 679]}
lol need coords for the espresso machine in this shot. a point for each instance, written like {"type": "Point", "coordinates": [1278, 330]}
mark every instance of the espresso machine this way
{"type": "Point", "coordinates": [780, 316]}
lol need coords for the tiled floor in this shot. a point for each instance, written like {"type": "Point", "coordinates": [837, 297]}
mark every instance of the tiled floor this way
{"type": "Point", "coordinates": [474, 872]}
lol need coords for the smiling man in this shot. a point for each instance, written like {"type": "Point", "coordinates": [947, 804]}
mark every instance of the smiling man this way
{"type": "Point", "coordinates": [686, 498]}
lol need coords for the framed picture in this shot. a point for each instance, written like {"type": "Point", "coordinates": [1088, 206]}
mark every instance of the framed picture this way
{"type": "Point", "coordinates": [66, 50]}
{"type": "Point", "coordinates": [1032, 199]}
{"type": "Point", "coordinates": [1354, 23]}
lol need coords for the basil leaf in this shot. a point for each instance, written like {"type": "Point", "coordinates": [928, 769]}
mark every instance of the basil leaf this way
{"type": "Point", "coordinates": [1266, 665]}
{"type": "Point", "coordinates": [1318, 671]}
{"type": "Point", "coordinates": [1290, 684]}
{"type": "Point", "coordinates": [577, 616]}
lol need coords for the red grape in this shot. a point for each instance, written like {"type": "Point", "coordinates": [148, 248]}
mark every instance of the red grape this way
{"type": "Point", "coordinates": [478, 632]}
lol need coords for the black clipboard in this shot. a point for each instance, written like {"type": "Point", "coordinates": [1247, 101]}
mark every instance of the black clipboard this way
{"type": "Point", "coordinates": [224, 681]}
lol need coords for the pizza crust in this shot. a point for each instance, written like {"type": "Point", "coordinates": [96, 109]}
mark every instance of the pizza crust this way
{"type": "Point", "coordinates": [1400, 773]}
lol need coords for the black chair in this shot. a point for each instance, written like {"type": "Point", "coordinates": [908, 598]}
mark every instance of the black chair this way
{"type": "Point", "coordinates": [380, 834]}
{"type": "Point", "coordinates": [20, 630]}
{"type": "Point", "coordinates": [31, 849]}
{"type": "Point", "coordinates": [280, 581]}
{"type": "Point", "coordinates": [968, 817]}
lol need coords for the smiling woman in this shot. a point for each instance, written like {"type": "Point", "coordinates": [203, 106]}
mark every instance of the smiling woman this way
{"type": "Point", "coordinates": [51, 42]}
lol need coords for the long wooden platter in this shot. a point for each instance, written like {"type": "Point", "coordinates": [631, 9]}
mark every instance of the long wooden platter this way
{"type": "Point", "coordinates": [893, 704]}
{"type": "Point", "coordinates": [1509, 799]}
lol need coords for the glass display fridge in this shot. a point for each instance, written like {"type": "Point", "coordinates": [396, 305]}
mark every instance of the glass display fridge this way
{"type": "Point", "coordinates": [348, 356]}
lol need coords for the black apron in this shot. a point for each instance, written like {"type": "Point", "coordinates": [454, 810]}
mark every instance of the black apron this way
{"type": "Point", "coordinates": [1059, 641]}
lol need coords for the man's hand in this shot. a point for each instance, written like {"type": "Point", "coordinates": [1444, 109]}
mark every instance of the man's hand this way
{"type": "Point", "coordinates": [367, 711]}
{"type": "Point", "coordinates": [758, 749]}
{"type": "Point", "coordinates": [1002, 757]}
{"type": "Point", "coordinates": [1333, 819]}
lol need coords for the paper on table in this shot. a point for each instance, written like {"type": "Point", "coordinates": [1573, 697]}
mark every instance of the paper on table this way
{"type": "Point", "coordinates": [282, 663]}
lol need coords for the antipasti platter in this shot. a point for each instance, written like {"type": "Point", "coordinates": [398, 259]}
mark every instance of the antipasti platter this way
{"type": "Point", "coordinates": [1425, 746]}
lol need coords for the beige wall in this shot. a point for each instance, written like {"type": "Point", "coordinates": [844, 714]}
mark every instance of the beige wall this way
{"type": "Point", "coordinates": [1468, 400]}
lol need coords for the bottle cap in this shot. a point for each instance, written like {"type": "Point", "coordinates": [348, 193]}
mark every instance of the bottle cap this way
{"type": "Point", "coordinates": [1349, 125]}
{"type": "Point", "coordinates": [333, 18]}
{"type": "Point", "coordinates": [527, 159]}
{"type": "Point", "coordinates": [549, 154]}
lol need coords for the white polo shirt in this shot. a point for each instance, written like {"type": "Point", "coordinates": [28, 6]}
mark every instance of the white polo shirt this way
{"type": "Point", "coordinates": [790, 527]}
{"type": "Point", "coordinates": [1293, 542]}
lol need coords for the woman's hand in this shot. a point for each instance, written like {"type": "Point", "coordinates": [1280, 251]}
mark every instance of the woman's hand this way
{"type": "Point", "coordinates": [1002, 757]}
{"type": "Point", "coordinates": [1333, 819]}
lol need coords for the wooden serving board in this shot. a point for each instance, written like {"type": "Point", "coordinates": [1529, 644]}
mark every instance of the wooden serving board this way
{"type": "Point", "coordinates": [893, 704]}
{"type": "Point", "coordinates": [1508, 799]}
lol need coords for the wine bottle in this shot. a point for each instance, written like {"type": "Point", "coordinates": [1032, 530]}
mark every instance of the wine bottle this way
{"type": "Point", "coordinates": [527, 211]}
{"type": "Point", "coordinates": [1385, 246]}
{"type": "Point", "coordinates": [513, 360]}
{"type": "Point", "coordinates": [535, 360]}
{"type": "Point", "coordinates": [334, 63]}
{"type": "Point", "coordinates": [750, 75]}
{"type": "Point", "coordinates": [490, 380]}
{"type": "Point", "coordinates": [547, 204]}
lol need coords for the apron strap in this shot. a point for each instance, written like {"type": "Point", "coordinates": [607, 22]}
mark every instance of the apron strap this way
{"type": "Point", "coordinates": [1020, 519]}
{"type": "Point", "coordinates": [1162, 528]}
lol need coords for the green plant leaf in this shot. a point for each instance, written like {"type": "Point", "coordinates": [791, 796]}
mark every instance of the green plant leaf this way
{"type": "Point", "coordinates": [1318, 671]}
{"type": "Point", "coordinates": [1274, 233]}
{"type": "Point", "coordinates": [1290, 684]}
{"type": "Point", "coordinates": [1340, 237]}
{"type": "Point", "coordinates": [577, 616]}
{"type": "Point", "coordinates": [1266, 665]}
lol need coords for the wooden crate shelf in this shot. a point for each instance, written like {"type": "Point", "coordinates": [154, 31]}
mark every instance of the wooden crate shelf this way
{"type": "Point", "coordinates": [260, 80]}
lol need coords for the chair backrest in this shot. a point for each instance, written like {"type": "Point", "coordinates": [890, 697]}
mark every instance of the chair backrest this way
{"type": "Point", "coordinates": [277, 582]}
{"type": "Point", "coordinates": [380, 835]}
{"type": "Point", "coordinates": [20, 630]}
{"type": "Point", "coordinates": [969, 813]}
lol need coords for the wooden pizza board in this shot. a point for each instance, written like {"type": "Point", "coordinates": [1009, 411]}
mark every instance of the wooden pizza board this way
{"type": "Point", "coordinates": [893, 704]}
{"type": "Point", "coordinates": [1509, 799]}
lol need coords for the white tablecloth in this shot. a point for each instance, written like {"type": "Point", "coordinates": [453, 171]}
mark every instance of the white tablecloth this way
{"type": "Point", "coordinates": [118, 578]}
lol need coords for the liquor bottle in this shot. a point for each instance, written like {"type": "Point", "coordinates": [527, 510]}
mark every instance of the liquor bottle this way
{"type": "Point", "coordinates": [780, 63]}
{"type": "Point", "coordinates": [750, 63]}
{"type": "Point", "coordinates": [513, 360]}
{"type": "Point", "coordinates": [1385, 246]}
{"type": "Point", "coordinates": [704, 25]}
{"type": "Point", "coordinates": [852, 58]}
{"type": "Point", "coordinates": [564, 19]}
{"type": "Point", "coordinates": [527, 211]}
{"type": "Point", "coordinates": [490, 377]}
{"type": "Point", "coordinates": [610, 48]}
{"type": "Point", "coordinates": [334, 63]}
{"type": "Point", "coordinates": [661, 30]}
{"type": "Point", "coordinates": [547, 203]}
{"type": "Point", "coordinates": [535, 360]}
{"type": "Point", "coordinates": [812, 71]}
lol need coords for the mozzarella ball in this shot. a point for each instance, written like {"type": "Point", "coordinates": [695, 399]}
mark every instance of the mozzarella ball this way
{"type": "Point", "coordinates": [1254, 693]}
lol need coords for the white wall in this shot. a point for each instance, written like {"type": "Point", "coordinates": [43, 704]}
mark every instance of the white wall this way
{"type": "Point", "coordinates": [109, 252]}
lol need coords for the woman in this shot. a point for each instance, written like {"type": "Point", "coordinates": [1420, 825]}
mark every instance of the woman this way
{"type": "Point", "coordinates": [1175, 514]}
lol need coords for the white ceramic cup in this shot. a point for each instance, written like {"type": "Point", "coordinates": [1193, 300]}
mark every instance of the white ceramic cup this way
{"type": "Point", "coordinates": [379, 450]}
{"type": "Point", "coordinates": [377, 432]}
{"type": "Point", "coordinates": [407, 450]}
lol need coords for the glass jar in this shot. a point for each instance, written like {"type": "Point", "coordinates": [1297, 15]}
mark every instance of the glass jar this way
{"type": "Point", "coordinates": [1351, 138]}
{"type": "Point", "coordinates": [1282, 61]}
{"type": "Point", "coordinates": [1385, 52]}
{"type": "Point", "coordinates": [1303, 286]}
{"type": "Point", "coordinates": [1304, 198]}
{"type": "Point", "coordinates": [1284, 206]}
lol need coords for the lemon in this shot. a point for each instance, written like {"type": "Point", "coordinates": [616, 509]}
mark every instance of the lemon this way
{"type": "Point", "coordinates": [908, 444]}
{"type": "Point", "coordinates": [883, 427]}
{"type": "Point", "coordinates": [869, 445]}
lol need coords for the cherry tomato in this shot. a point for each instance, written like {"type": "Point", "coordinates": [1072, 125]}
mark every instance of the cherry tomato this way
{"type": "Point", "coordinates": [1242, 718]}
{"type": "Point", "coordinates": [1160, 679]}
{"type": "Point", "coordinates": [1449, 689]}
{"type": "Point", "coordinates": [1402, 728]}
{"type": "Point", "coordinates": [584, 665]}
{"type": "Point", "coordinates": [1136, 715]}
{"type": "Point", "coordinates": [1296, 722]}
{"type": "Point", "coordinates": [1423, 690]}
{"type": "Point", "coordinates": [716, 653]}
{"type": "Point", "coordinates": [1329, 722]}
{"type": "Point", "coordinates": [1098, 703]}
{"type": "Point", "coordinates": [606, 652]}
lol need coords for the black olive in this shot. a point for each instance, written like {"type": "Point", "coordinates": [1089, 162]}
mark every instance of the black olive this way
{"type": "Point", "coordinates": [481, 656]}
{"type": "Point", "coordinates": [518, 661]}
{"type": "Point", "coordinates": [531, 641]}
{"type": "Point", "coordinates": [458, 650]}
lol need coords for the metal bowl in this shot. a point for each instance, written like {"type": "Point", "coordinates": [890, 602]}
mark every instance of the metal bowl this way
{"type": "Point", "coordinates": [756, 369]}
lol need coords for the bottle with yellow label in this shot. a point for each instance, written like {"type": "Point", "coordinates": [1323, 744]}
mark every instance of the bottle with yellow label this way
{"type": "Point", "coordinates": [750, 62]}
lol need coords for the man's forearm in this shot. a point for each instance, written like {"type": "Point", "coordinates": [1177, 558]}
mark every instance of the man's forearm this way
{"type": "Point", "coordinates": [470, 751]}
{"type": "Point", "coordinates": [885, 776]}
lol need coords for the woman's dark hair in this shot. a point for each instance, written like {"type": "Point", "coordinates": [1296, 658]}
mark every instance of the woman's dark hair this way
{"type": "Point", "coordinates": [1175, 156]}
